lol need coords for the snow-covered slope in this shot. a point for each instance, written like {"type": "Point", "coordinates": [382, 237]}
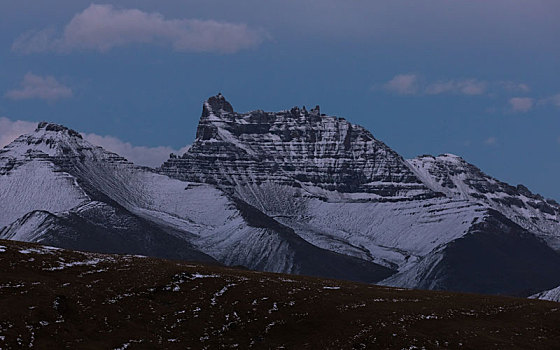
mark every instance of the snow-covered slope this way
{"type": "Point", "coordinates": [552, 295]}
{"type": "Point", "coordinates": [31, 182]}
{"type": "Point", "coordinates": [456, 178]}
{"type": "Point", "coordinates": [98, 227]}
{"type": "Point", "coordinates": [104, 203]}
{"type": "Point", "coordinates": [391, 233]}
{"type": "Point", "coordinates": [496, 256]}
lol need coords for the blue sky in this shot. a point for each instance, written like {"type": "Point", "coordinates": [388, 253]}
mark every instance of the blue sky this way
{"type": "Point", "coordinates": [476, 78]}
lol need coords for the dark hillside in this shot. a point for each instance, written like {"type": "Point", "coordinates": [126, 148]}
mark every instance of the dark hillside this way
{"type": "Point", "coordinates": [54, 299]}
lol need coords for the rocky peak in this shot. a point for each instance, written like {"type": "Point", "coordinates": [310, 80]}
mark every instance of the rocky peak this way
{"type": "Point", "coordinates": [291, 147]}
{"type": "Point", "coordinates": [57, 128]}
{"type": "Point", "coordinates": [56, 144]}
{"type": "Point", "coordinates": [450, 158]}
{"type": "Point", "coordinates": [315, 111]}
{"type": "Point", "coordinates": [217, 105]}
{"type": "Point", "coordinates": [48, 140]}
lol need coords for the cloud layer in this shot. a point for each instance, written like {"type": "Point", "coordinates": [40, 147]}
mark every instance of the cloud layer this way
{"type": "Point", "coordinates": [103, 27]}
{"type": "Point", "coordinates": [462, 87]}
{"type": "Point", "coordinates": [521, 104]}
{"type": "Point", "coordinates": [37, 87]}
{"type": "Point", "coordinates": [413, 84]}
{"type": "Point", "coordinates": [492, 140]}
{"type": "Point", "coordinates": [551, 100]}
{"type": "Point", "coordinates": [141, 155]}
{"type": "Point", "coordinates": [403, 84]}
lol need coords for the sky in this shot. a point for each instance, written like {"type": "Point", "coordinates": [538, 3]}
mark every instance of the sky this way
{"type": "Point", "coordinates": [480, 79]}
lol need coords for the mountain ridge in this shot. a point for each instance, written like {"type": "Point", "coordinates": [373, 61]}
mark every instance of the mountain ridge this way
{"type": "Point", "coordinates": [270, 190]}
{"type": "Point", "coordinates": [291, 147]}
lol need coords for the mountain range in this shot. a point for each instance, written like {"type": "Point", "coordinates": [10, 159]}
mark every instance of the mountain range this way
{"type": "Point", "coordinates": [294, 191]}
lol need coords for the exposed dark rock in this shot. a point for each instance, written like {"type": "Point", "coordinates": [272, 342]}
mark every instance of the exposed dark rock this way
{"type": "Point", "coordinates": [496, 257]}
{"type": "Point", "coordinates": [291, 147]}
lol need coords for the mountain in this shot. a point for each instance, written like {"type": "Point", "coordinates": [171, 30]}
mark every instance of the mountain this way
{"type": "Point", "coordinates": [294, 191]}
{"type": "Point", "coordinates": [456, 178]}
{"type": "Point", "coordinates": [59, 299]}
{"type": "Point", "coordinates": [59, 189]}
{"type": "Point", "coordinates": [494, 256]}
{"type": "Point", "coordinates": [318, 153]}
{"type": "Point", "coordinates": [552, 295]}
{"type": "Point", "coordinates": [341, 189]}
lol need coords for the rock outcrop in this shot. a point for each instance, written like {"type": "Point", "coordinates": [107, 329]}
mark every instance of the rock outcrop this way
{"type": "Point", "coordinates": [293, 147]}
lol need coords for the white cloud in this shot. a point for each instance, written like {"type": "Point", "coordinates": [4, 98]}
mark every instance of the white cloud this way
{"type": "Point", "coordinates": [103, 27]}
{"type": "Point", "coordinates": [37, 87]}
{"type": "Point", "coordinates": [552, 100]}
{"type": "Point", "coordinates": [491, 141]}
{"type": "Point", "coordinates": [412, 84]}
{"type": "Point", "coordinates": [10, 130]}
{"type": "Point", "coordinates": [141, 155]}
{"type": "Point", "coordinates": [403, 84]}
{"type": "Point", "coordinates": [521, 104]}
{"type": "Point", "coordinates": [464, 87]}
{"type": "Point", "coordinates": [555, 100]}
{"type": "Point", "coordinates": [514, 87]}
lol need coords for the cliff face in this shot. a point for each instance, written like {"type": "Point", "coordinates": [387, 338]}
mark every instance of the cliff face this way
{"type": "Point", "coordinates": [294, 147]}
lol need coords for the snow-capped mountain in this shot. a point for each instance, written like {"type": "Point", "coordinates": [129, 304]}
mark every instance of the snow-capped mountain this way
{"type": "Point", "coordinates": [59, 189]}
{"type": "Point", "coordinates": [456, 178]}
{"type": "Point", "coordinates": [318, 153]}
{"type": "Point", "coordinates": [552, 295]}
{"type": "Point", "coordinates": [294, 191]}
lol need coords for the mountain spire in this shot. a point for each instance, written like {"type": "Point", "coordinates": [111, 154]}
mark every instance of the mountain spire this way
{"type": "Point", "coordinates": [217, 105]}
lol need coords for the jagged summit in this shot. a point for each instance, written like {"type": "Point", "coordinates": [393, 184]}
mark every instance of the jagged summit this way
{"type": "Point", "coordinates": [444, 157]}
{"type": "Point", "coordinates": [449, 156]}
{"type": "Point", "coordinates": [217, 104]}
{"type": "Point", "coordinates": [48, 140]}
{"type": "Point", "coordinates": [55, 144]}
{"type": "Point", "coordinates": [57, 128]}
{"type": "Point", "coordinates": [291, 147]}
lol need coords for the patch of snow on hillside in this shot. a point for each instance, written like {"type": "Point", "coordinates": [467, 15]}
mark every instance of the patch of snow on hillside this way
{"type": "Point", "coordinates": [37, 185]}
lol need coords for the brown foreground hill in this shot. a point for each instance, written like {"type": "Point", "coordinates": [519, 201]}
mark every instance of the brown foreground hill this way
{"type": "Point", "coordinates": [54, 299]}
